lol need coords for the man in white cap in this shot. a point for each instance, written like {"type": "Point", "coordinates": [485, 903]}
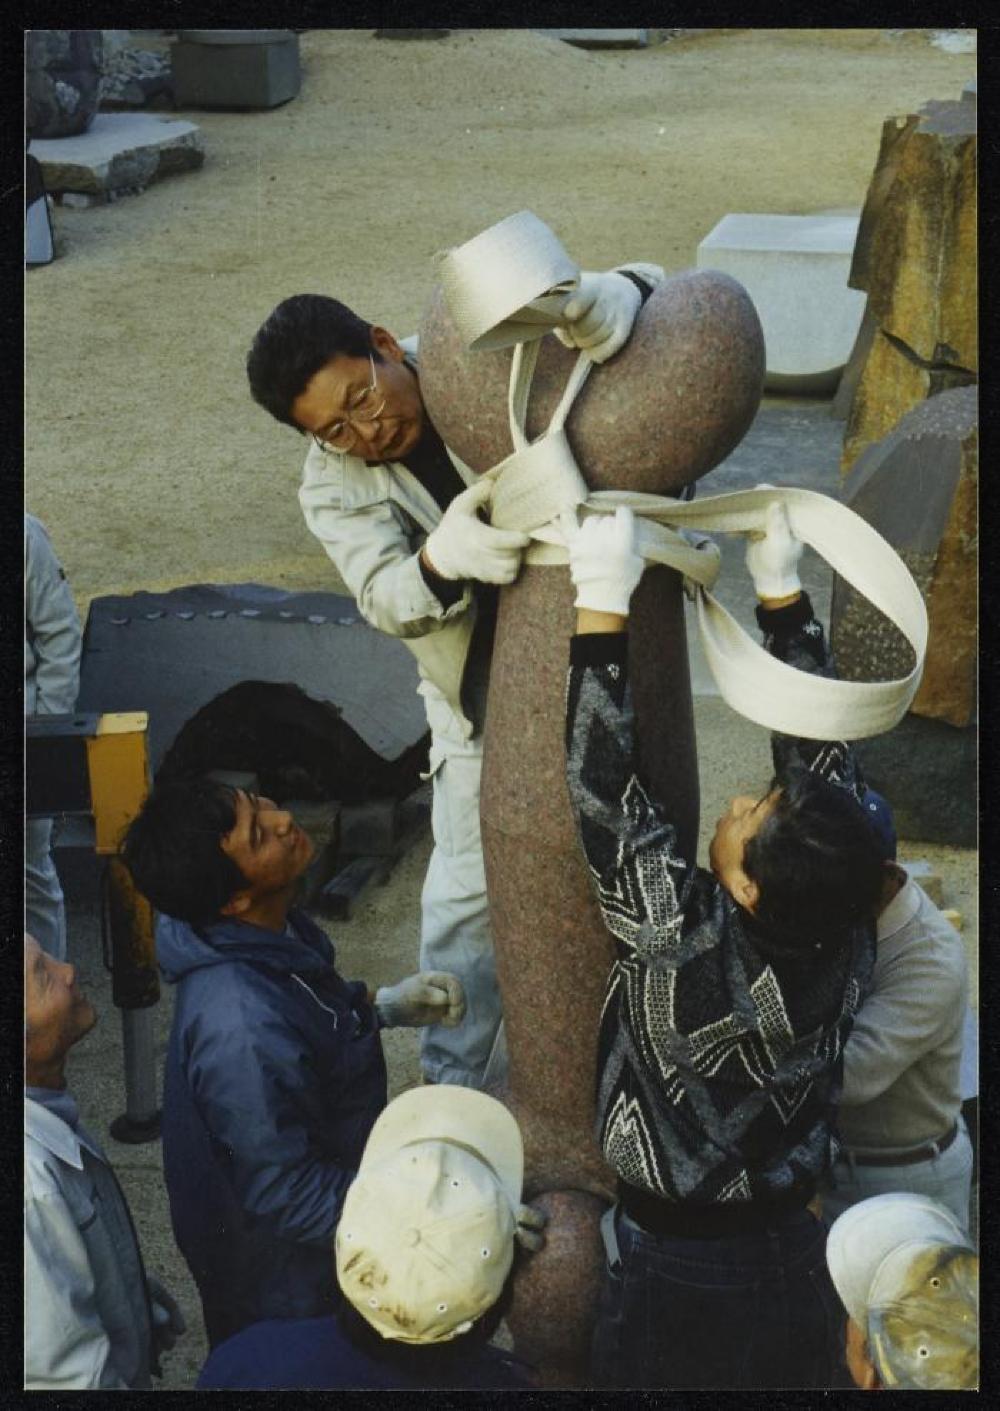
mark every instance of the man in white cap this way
{"type": "Point", "coordinates": [398, 513]}
{"type": "Point", "coordinates": [909, 1279]}
{"type": "Point", "coordinates": [425, 1250]}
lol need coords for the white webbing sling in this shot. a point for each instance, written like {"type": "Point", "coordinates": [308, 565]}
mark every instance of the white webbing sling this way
{"type": "Point", "coordinates": [540, 481]}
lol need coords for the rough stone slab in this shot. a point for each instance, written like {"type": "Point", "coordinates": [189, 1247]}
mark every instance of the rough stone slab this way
{"type": "Point", "coordinates": [120, 150]}
{"type": "Point", "coordinates": [918, 234]}
{"type": "Point", "coordinates": [891, 382]}
{"type": "Point", "coordinates": [918, 488]}
{"type": "Point", "coordinates": [795, 269]}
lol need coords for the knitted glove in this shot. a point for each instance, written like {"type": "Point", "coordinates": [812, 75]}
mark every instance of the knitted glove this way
{"type": "Point", "coordinates": [429, 997]}
{"type": "Point", "coordinates": [600, 314]}
{"type": "Point", "coordinates": [603, 561]}
{"type": "Point", "coordinates": [463, 546]}
{"type": "Point", "coordinates": [773, 556]}
{"type": "Point", "coordinates": [530, 1223]}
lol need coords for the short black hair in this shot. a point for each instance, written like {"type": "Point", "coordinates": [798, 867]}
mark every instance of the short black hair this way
{"type": "Point", "coordinates": [816, 861]}
{"type": "Point", "coordinates": [173, 850]}
{"type": "Point", "coordinates": [296, 339]}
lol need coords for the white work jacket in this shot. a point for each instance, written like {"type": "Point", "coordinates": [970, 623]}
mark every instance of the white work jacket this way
{"type": "Point", "coordinates": [373, 520]}
{"type": "Point", "coordinates": [86, 1314]}
{"type": "Point", "coordinates": [51, 628]}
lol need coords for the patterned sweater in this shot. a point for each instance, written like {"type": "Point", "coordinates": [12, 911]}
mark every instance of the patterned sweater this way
{"type": "Point", "coordinates": [720, 1052]}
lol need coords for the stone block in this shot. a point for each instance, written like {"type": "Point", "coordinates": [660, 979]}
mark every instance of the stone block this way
{"type": "Point", "coordinates": [970, 91]}
{"type": "Point", "coordinates": [245, 75]}
{"type": "Point", "coordinates": [795, 270]}
{"type": "Point", "coordinates": [927, 769]}
{"type": "Point", "coordinates": [602, 38]}
{"type": "Point", "coordinates": [119, 151]}
{"type": "Point", "coordinates": [918, 487]}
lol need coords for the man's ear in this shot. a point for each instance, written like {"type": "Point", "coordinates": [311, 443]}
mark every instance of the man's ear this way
{"type": "Point", "coordinates": [746, 892]}
{"type": "Point", "coordinates": [237, 904]}
{"type": "Point", "coordinates": [383, 342]}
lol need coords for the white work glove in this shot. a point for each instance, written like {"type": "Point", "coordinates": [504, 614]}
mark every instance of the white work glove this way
{"type": "Point", "coordinates": [603, 560]}
{"type": "Point", "coordinates": [429, 997]}
{"type": "Point", "coordinates": [600, 314]}
{"type": "Point", "coordinates": [773, 556]}
{"type": "Point", "coordinates": [168, 1320]}
{"type": "Point", "coordinates": [530, 1223]}
{"type": "Point", "coordinates": [464, 546]}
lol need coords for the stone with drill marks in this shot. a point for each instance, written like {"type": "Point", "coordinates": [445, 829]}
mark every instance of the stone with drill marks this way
{"type": "Point", "coordinates": [918, 487]}
{"type": "Point", "coordinates": [658, 415]}
{"type": "Point", "coordinates": [916, 258]}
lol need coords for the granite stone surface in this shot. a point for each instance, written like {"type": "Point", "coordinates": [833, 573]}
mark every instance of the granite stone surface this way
{"type": "Point", "coordinates": [918, 487]}
{"type": "Point", "coordinates": [663, 412]}
{"type": "Point", "coordinates": [675, 401]}
{"type": "Point", "coordinates": [555, 1292]}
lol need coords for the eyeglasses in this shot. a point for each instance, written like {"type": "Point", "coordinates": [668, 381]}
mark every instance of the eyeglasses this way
{"type": "Point", "coordinates": [365, 406]}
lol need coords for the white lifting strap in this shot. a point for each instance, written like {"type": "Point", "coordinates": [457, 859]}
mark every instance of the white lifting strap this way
{"type": "Point", "coordinates": [489, 284]}
{"type": "Point", "coordinates": [541, 480]}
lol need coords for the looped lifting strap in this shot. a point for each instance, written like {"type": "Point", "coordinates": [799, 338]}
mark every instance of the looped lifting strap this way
{"type": "Point", "coordinates": [535, 485]}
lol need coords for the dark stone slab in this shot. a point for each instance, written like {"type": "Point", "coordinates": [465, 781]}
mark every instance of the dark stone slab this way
{"type": "Point", "coordinates": [927, 770]}
{"type": "Point", "coordinates": [171, 653]}
{"type": "Point", "coordinates": [918, 488]}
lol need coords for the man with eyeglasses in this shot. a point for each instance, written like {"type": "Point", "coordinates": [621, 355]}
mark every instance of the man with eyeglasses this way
{"type": "Point", "coordinates": [398, 513]}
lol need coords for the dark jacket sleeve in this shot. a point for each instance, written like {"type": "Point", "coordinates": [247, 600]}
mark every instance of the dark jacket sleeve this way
{"type": "Point", "coordinates": [793, 635]}
{"type": "Point", "coordinates": [250, 1073]}
{"type": "Point", "coordinates": [630, 845]}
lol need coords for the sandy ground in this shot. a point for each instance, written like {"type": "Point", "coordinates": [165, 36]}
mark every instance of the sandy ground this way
{"type": "Point", "coordinates": [152, 468]}
{"type": "Point", "coordinates": [145, 456]}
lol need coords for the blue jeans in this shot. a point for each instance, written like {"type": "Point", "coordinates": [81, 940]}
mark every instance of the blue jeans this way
{"type": "Point", "coordinates": [754, 1310]}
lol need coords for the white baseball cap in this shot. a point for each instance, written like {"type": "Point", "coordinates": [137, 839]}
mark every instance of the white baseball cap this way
{"type": "Point", "coordinates": [426, 1237]}
{"type": "Point", "coordinates": [907, 1274]}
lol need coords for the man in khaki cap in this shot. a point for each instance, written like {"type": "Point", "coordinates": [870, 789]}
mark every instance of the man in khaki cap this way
{"type": "Point", "coordinates": [424, 1256]}
{"type": "Point", "coordinates": [909, 1279]}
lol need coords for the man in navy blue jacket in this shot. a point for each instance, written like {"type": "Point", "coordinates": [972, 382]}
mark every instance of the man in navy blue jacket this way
{"type": "Point", "coordinates": [274, 1073]}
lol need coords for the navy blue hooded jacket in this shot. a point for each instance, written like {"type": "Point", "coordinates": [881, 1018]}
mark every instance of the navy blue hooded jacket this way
{"type": "Point", "coordinates": [274, 1078]}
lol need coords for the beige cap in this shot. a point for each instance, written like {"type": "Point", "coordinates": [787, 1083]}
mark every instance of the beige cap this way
{"type": "Point", "coordinates": [907, 1274]}
{"type": "Point", "coordinates": [426, 1237]}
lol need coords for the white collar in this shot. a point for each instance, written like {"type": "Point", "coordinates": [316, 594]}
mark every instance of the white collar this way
{"type": "Point", "coordinates": [58, 1136]}
{"type": "Point", "coordinates": [903, 907]}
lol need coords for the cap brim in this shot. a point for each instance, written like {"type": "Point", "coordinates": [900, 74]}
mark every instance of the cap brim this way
{"type": "Point", "coordinates": [448, 1112]}
{"type": "Point", "coordinates": [867, 1233]}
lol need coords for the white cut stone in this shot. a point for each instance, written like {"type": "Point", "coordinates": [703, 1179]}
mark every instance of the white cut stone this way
{"type": "Point", "coordinates": [119, 150]}
{"type": "Point", "coordinates": [795, 270]}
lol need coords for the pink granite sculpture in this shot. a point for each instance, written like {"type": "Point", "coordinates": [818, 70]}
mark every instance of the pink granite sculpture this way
{"type": "Point", "coordinates": [663, 412]}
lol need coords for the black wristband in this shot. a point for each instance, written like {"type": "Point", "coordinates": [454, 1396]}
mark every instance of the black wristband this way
{"type": "Point", "coordinates": [644, 289]}
{"type": "Point", "coordinates": [785, 620]}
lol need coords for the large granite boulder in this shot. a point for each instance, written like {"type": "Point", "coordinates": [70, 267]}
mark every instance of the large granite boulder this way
{"type": "Point", "coordinates": [62, 80]}
{"type": "Point", "coordinates": [671, 405]}
{"type": "Point", "coordinates": [916, 258]}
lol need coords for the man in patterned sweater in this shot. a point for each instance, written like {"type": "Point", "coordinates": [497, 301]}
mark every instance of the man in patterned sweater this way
{"type": "Point", "coordinates": [729, 1001]}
